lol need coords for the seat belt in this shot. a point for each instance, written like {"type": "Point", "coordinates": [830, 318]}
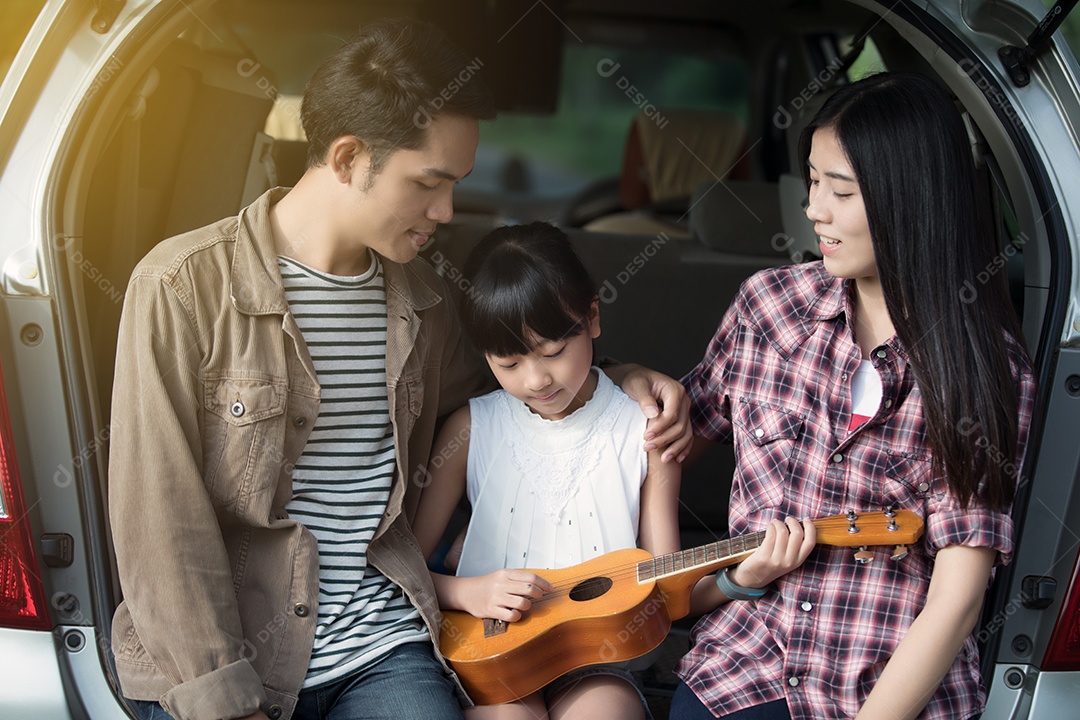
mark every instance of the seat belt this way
{"type": "Point", "coordinates": [125, 235]}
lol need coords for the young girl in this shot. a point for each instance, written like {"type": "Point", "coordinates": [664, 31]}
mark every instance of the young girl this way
{"type": "Point", "coordinates": [553, 463]}
{"type": "Point", "coordinates": [868, 379]}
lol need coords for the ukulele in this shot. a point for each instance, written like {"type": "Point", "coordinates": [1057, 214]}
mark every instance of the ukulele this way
{"type": "Point", "coordinates": [620, 606]}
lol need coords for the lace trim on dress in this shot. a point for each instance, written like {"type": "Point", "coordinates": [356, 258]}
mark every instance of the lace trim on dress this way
{"type": "Point", "coordinates": [555, 477]}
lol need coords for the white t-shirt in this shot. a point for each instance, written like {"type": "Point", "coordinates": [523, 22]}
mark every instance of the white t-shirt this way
{"type": "Point", "coordinates": [865, 394]}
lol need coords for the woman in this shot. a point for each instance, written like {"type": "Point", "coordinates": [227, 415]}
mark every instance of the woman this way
{"type": "Point", "coordinates": [865, 380]}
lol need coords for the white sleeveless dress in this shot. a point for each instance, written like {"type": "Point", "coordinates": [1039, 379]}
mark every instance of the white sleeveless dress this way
{"type": "Point", "coordinates": [552, 493]}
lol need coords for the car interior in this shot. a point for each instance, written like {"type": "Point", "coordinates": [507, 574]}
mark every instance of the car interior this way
{"type": "Point", "coordinates": [660, 136]}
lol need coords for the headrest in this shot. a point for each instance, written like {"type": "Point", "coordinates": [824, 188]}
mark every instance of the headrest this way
{"type": "Point", "coordinates": [738, 217]}
{"type": "Point", "coordinates": [801, 119]}
{"type": "Point", "coordinates": [670, 152]}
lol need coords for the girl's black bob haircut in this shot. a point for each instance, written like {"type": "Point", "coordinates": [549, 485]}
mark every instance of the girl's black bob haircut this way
{"type": "Point", "coordinates": [524, 282]}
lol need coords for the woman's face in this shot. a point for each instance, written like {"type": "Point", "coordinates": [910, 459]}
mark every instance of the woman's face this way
{"type": "Point", "coordinates": [837, 211]}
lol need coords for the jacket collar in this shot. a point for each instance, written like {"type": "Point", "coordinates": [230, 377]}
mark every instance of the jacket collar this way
{"type": "Point", "coordinates": [256, 286]}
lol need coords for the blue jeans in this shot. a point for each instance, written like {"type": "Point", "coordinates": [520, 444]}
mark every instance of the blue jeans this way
{"type": "Point", "coordinates": [687, 706]}
{"type": "Point", "coordinates": [408, 684]}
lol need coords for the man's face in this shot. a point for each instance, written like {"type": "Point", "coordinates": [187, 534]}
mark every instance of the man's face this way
{"type": "Point", "coordinates": [398, 212]}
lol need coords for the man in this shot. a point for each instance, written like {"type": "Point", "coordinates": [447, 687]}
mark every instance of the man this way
{"type": "Point", "coordinates": [278, 379]}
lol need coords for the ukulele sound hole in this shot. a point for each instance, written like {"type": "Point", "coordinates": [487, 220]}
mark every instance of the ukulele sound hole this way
{"type": "Point", "coordinates": [591, 588]}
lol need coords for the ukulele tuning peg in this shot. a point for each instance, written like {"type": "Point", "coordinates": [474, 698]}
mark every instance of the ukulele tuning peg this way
{"type": "Point", "coordinates": [851, 518]}
{"type": "Point", "coordinates": [863, 556]}
{"type": "Point", "coordinates": [890, 511]}
{"type": "Point", "coordinates": [899, 552]}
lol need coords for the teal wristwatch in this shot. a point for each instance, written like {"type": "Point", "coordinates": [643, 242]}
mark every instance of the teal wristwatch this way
{"type": "Point", "coordinates": [736, 592]}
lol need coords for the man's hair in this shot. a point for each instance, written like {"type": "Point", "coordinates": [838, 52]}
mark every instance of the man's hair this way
{"type": "Point", "coordinates": [385, 87]}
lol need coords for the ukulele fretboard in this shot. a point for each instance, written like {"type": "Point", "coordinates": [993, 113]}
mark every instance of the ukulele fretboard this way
{"type": "Point", "coordinates": [683, 560]}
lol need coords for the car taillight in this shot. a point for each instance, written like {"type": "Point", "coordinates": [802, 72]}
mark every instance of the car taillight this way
{"type": "Point", "coordinates": [1063, 652]}
{"type": "Point", "coordinates": [22, 599]}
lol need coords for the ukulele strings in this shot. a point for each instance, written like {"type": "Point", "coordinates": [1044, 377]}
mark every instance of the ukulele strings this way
{"type": "Point", "coordinates": [566, 585]}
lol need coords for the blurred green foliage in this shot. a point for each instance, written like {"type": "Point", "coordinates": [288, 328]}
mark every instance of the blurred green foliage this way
{"type": "Point", "coordinates": [1070, 29]}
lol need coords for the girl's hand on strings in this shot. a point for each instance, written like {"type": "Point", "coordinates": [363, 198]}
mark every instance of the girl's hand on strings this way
{"type": "Point", "coordinates": [786, 546]}
{"type": "Point", "coordinates": [504, 594]}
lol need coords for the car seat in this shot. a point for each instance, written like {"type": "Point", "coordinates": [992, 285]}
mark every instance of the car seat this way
{"type": "Point", "coordinates": [188, 151]}
{"type": "Point", "coordinates": [667, 155]}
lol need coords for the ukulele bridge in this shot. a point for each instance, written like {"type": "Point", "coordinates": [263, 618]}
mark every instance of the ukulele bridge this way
{"type": "Point", "coordinates": [493, 627]}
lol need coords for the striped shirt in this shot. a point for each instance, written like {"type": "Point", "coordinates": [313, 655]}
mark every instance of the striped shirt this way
{"type": "Point", "coordinates": [776, 381]}
{"type": "Point", "coordinates": [341, 482]}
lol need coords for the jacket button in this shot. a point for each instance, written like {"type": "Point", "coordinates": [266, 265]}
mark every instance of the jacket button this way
{"type": "Point", "coordinates": [299, 421]}
{"type": "Point", "coordinates": [273, 712]}
{"type": "Point", "coordinates": [301, 610]}
{"type": "Point", "coordinates": [237, 409]}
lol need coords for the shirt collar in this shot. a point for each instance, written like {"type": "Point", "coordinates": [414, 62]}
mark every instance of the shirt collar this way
{"type": "Point", "coordinates": [801, 298]}
{"type": "Point", "coordinates": [829, 295]}
{"type": "Point", "coordinates": [834, 299]}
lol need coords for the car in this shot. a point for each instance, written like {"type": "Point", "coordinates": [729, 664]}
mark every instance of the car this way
{"type": "Point", "coordinates": [660, 135]}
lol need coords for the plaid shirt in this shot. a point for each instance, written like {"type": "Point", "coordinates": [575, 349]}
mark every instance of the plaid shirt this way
{"type": "Point", "coordinates": [776, 380]}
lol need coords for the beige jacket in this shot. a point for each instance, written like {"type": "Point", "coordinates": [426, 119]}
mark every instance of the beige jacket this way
{"type": "Point", "coordinates": [215, 396]}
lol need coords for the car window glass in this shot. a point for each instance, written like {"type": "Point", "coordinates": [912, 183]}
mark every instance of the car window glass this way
{"type": "Point", "coordinates": [868, 62]}
{"type": "Point", "coordinates": [602, 88]}
{"type": "Point", "coordinates": [1070, 29]}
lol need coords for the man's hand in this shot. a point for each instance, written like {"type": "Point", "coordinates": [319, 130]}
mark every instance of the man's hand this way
{"type": "Point", "coordinates": [664, 402]}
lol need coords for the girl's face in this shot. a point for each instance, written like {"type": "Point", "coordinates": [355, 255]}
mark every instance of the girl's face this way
{"type": "Point", "coordinates": [837, 211]}
{"type": "Point", "coordinates": [553, 378]}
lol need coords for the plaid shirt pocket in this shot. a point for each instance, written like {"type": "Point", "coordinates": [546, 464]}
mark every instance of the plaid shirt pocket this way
{"type": "Point", "coordinates": [765, 442]}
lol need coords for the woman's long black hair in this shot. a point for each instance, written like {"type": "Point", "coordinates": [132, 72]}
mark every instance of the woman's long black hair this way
{"type": "Point", "coordinates": [524, 279]}
{"type": "Point", "coordinates": [912, 158]}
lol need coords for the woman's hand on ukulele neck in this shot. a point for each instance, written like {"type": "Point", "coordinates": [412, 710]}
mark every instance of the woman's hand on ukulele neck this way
{"type": "Point", "coordinates": [502, 595]}
{"type": "Point", "coordinates": [786, 546]}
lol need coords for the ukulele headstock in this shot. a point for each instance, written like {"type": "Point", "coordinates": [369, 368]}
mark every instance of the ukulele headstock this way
{"type": "Point", "coordinates": [891, 527]}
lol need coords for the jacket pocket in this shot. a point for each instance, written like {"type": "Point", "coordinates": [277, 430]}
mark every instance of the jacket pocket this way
{"type": "Point", "coordinates": [243, 436]}
{"type": "Point", "coordinates": [765, 441]}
